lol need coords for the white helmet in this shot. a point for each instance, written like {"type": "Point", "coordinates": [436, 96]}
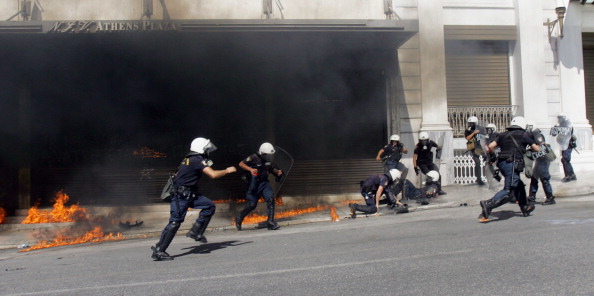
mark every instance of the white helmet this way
{"type": "Point", "coordinates": [472, 119]}
{"type": "Point", "coordinates": [423, 136]}
{"type": "Point", "coordinates": [395, 138]}
{"type": "Point", "coordinates": [491, 126]}
{"type": "Point", "coordinates": [561, 117]}
{"type": "Point", "coordinates": [266, 148]}
{"type": "Point", "coordinates": [530, 125]}
{"type": "Point", "coordinates": [395, 174]}
{"type": "Point", "coordinates": [434, 175]}
{"type": "Point", "coordinates": [202, 146]}
{"type": "Point", "coordinates": [519, 121]}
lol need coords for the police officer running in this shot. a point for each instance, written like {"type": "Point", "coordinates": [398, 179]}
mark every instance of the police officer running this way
{"type": "Point", "coordinates": [185, 195]}
{"type": "Point", "coordinates": [259, 165]}
{"type": "Point", "coordinates": [541, 167]}
{"type": "Point", "coordinates": [392, 153]}
{"type": "Point", "coordinates": [511, 163]}
{"type": "Point", "coordinates": [476, 133]}
{"type": "Point", "coordinates": [423, 157]}
{"type": "Point", "coordinates": [373, 188]}
{"type": "Point", "coordinates": [566, 140]}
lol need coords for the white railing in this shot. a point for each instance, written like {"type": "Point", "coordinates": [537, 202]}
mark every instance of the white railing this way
{"type": "Point", "coordinates": [498, 115]}
{"type": "Point", "coordinates": [464, 168]}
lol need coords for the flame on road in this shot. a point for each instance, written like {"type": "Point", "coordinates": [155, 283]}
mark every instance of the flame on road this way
{"type": "Point", "coordinates": [2, 215]}
{"type": "Point", "coordinates": [333, 215]}
{"type": "Point", "coordinates": [257, 218]}
{"type": "Point", "coordinates": [93, 236]}
{"type": "Point", "coordinates": [59, 213]}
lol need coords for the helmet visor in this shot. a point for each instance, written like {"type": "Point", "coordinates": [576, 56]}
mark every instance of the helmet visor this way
{"type": "Point", "coordinates": [210, 147]}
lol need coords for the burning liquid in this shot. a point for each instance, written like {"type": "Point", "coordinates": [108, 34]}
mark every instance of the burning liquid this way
{"type": "Point", "coordinates": [146, 152]}
{"type": "Point", "coordinates": [62, 213]}
{"type": "Point", "coordinates": [93, 236]}
{"type": "Point", "coordinates": [2, 215]}
{"type": "Point", "coordinates": [59, 213]}
{"type": "Point", "coordinates": [333, 215]}
{"type": "Point", "coordinates": [255, 218]}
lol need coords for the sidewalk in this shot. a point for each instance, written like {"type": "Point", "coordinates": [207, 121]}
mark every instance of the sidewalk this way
{"type": "Point", "coordinates": [155, 217]}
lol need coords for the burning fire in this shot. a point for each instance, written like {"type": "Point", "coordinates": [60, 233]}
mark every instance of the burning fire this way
{"type": "Point", "coordinates": [333, 215]}
{"type": "Point", "coordinates": [62, 213]}
{"type": "Point", "coordinates": [2, 215]}
{"type": "Point", "coordinates": [256, 218]}
{"type": "Point", "coordinates": [59, 213]}
{"type": "Point", "coordinates": [146, 152]}
{"type": "Point", "coordinates": [93, 236]}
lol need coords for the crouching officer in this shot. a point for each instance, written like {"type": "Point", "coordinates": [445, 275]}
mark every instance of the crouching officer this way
{"type": "Point", "coordinates": [259, 165]}
{"type": "Point", "coordinates": [511, 163]}
{"type": "Point", "coordinates": [373, 188]}
{"type": "Point", "coordinates": [185, 195]}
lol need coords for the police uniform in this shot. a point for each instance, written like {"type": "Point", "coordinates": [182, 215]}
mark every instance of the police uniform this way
{"type": "Point", "coordinates": [369, 189]}
{"type": "Point", "coordinates": [424, 160]}
{"type": "Point", "coordinates": [185, 195]}
{"type": "Point", "coordinates": [540, 170]}
{"type": "Point", "coordinates": [510, 163]}
{"type": "Point", "coordinates": [259, 185]}
{"type": "Point", "coordinates": [392, 155]}
{"type": "Point", "coordinates": [477, 151]}
{"type": "Point", "coordinates": [421, 195]}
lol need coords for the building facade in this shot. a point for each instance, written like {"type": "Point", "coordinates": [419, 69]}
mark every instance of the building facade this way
{"type": "Point", "coordinates": [412, 65]}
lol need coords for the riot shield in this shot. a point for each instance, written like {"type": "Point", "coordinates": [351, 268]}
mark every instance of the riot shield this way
{"type": "Point", "coordinates": [284, 161]}
{"type": "Point", "coordinates": [562, 133]}
{"type": "Point", "coordinates": [489, 170]}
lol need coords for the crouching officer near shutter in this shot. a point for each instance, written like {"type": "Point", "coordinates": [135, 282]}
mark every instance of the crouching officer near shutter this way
{"type": "Point", "coordinates": [259, 165]}
{"type": "Point", "coordinates": [541, 168]}
{"type": "Point", "coordinates": [510, 162]}
{"type": "Point", "coordinates": [185, 195]}
{"type": "Point", "coordinates": [423, 157]}
{"type": "Point", "coordinates": [373, 188]}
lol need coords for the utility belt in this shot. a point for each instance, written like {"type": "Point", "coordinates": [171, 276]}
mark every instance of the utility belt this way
{"type": "Point", "coordinates": [185, 192]}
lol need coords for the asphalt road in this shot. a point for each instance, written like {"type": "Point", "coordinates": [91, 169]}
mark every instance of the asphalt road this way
{"type": "Point", "coordinates": [438, 252]}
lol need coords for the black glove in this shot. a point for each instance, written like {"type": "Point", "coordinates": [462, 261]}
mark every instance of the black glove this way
{"type": "Point", "coordinates": [417, 171]}
{"type": "Point", "coordinates": [492, 157]}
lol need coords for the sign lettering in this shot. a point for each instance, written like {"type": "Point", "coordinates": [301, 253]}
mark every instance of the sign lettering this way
{"type": "Point", "coordinates": [111, 26]}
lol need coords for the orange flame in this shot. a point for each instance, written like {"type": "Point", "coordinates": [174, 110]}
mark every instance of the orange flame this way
{"type": "Point", "coordinates": [256, 218]}
{"type": "Point", "coordinates": [2, 215]}
{"type": "Point", "coordinates": [93, 236]}
{"type": "Point", "coordinates": [146, 152]}
{"type": "Point", "coordinates": [59, 213]}
{"type": "Point", "coordinates": [333, 215]}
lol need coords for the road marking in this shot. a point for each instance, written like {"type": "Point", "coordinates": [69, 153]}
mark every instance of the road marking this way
{"type": "Point", "coordinates": [571, 221]}
{"type": "Point", "coordinates": [239, 275]}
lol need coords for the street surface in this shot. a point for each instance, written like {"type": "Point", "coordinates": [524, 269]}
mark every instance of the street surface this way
{"type": "Point", "coordinates": [437, 252]}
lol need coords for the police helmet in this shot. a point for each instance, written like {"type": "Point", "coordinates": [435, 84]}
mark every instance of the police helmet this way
{"type": "Point", "coordinates": [434, 175]}
{"type": "Point", "coordinates": [518, 122]}
{"type": "Point", "coordinates": [395, 138]}
{"type": "Point", "coordinates": [561, 117]}
{"type": "Point", "coordinates": [472, 119]}
{"type": "Point", "coordinates": [202, 146]}
{"type": "Point", "coordinates": [530, 125]}
{"type": "Point", "coordinates": [266, 148]}
{"type": "Point", "coordinates": [395, 174]}
{"type": "Point", "coordinates": [491, 126]}
{"type": "Point", "coordinates": [423, 136]}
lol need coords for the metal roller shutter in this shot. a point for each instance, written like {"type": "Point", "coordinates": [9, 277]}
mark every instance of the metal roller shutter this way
{"type": "Point", "coordinates": [477, 73]}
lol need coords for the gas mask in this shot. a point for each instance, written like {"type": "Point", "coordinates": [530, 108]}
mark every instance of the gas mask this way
{"type": "Point", "coordinates": [424, 144]}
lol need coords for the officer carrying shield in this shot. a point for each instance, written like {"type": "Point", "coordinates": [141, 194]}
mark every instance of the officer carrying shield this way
{"type": "Point", "coordinates": [259, 165]}
{"type": "Point", "coordinates": [511, 164]}
{"type": "Point", "coordinates": [563, 131]}
{"type": "Point", "coordinates": [541, 167]}
{"type": "Point", "coordinates": [185, 195]}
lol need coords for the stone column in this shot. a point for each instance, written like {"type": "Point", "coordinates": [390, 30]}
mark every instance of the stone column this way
{"type": "Point", "coordinates": [433, 82]}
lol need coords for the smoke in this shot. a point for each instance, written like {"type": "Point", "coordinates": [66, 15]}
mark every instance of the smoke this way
{"type": "Point", "coordinates": [96, 98]}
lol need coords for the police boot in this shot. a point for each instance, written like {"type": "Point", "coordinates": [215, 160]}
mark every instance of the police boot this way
{"type": "Point", "coordinates": [167, 235]}
{"type": "Point", "coordinates": [353, 208]}
{"type": "Point", "coordinates": [244, 212]}
{"type": "Point", "coordinates": [198, 229]}
{"type": "Point", "coordinates": [531, 200]}
{"type": "Point", "coordinates": [487, 207]}
{"type": "Point", "coordinates": [550, 200]}
{"type": "Point", "coordinates": [271, 225]}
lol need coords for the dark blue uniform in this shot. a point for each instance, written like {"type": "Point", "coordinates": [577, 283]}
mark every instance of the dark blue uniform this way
{"type": "Point", "coordinates": [477, 151]}
{"type": "Point", "coordinates": [392, 155]}
{"type": "Point", "coordinates": [540, 170]}
{"type": "Point", "coordinates": [425, 159]}
{"type": "Point", "coordinates": [369, 189]}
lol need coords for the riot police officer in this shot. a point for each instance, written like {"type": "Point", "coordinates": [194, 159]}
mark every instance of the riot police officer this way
{"type": "Point", "coordinates": [373, 188]}
{"type": "Point", "coordinates": [423, 157]}
{"type": "Point", "coordinates": [541, 167]}
{"type": "Point", "coordinates": [510, 162]}
{"type": "Point", "coordinates": [476, 133]}
{"type": "Point", "coordinates": [566, 140]}
{"type": "Point", "coordinates": [423, 194]}
{"type": "Point", "coordinates": [185, 195]}
{"type": "Point", "coordinates": [392, 153]}
{"type": "Point", "coordinates": [259, 165]}
{"type": "Point", "coordinates": [491, 133]}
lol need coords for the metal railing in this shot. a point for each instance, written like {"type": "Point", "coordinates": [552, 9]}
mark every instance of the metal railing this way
{"type": "Point", "coordinates": [498, 115]}
{"type": "Point", "coordinates": [464, 168]}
